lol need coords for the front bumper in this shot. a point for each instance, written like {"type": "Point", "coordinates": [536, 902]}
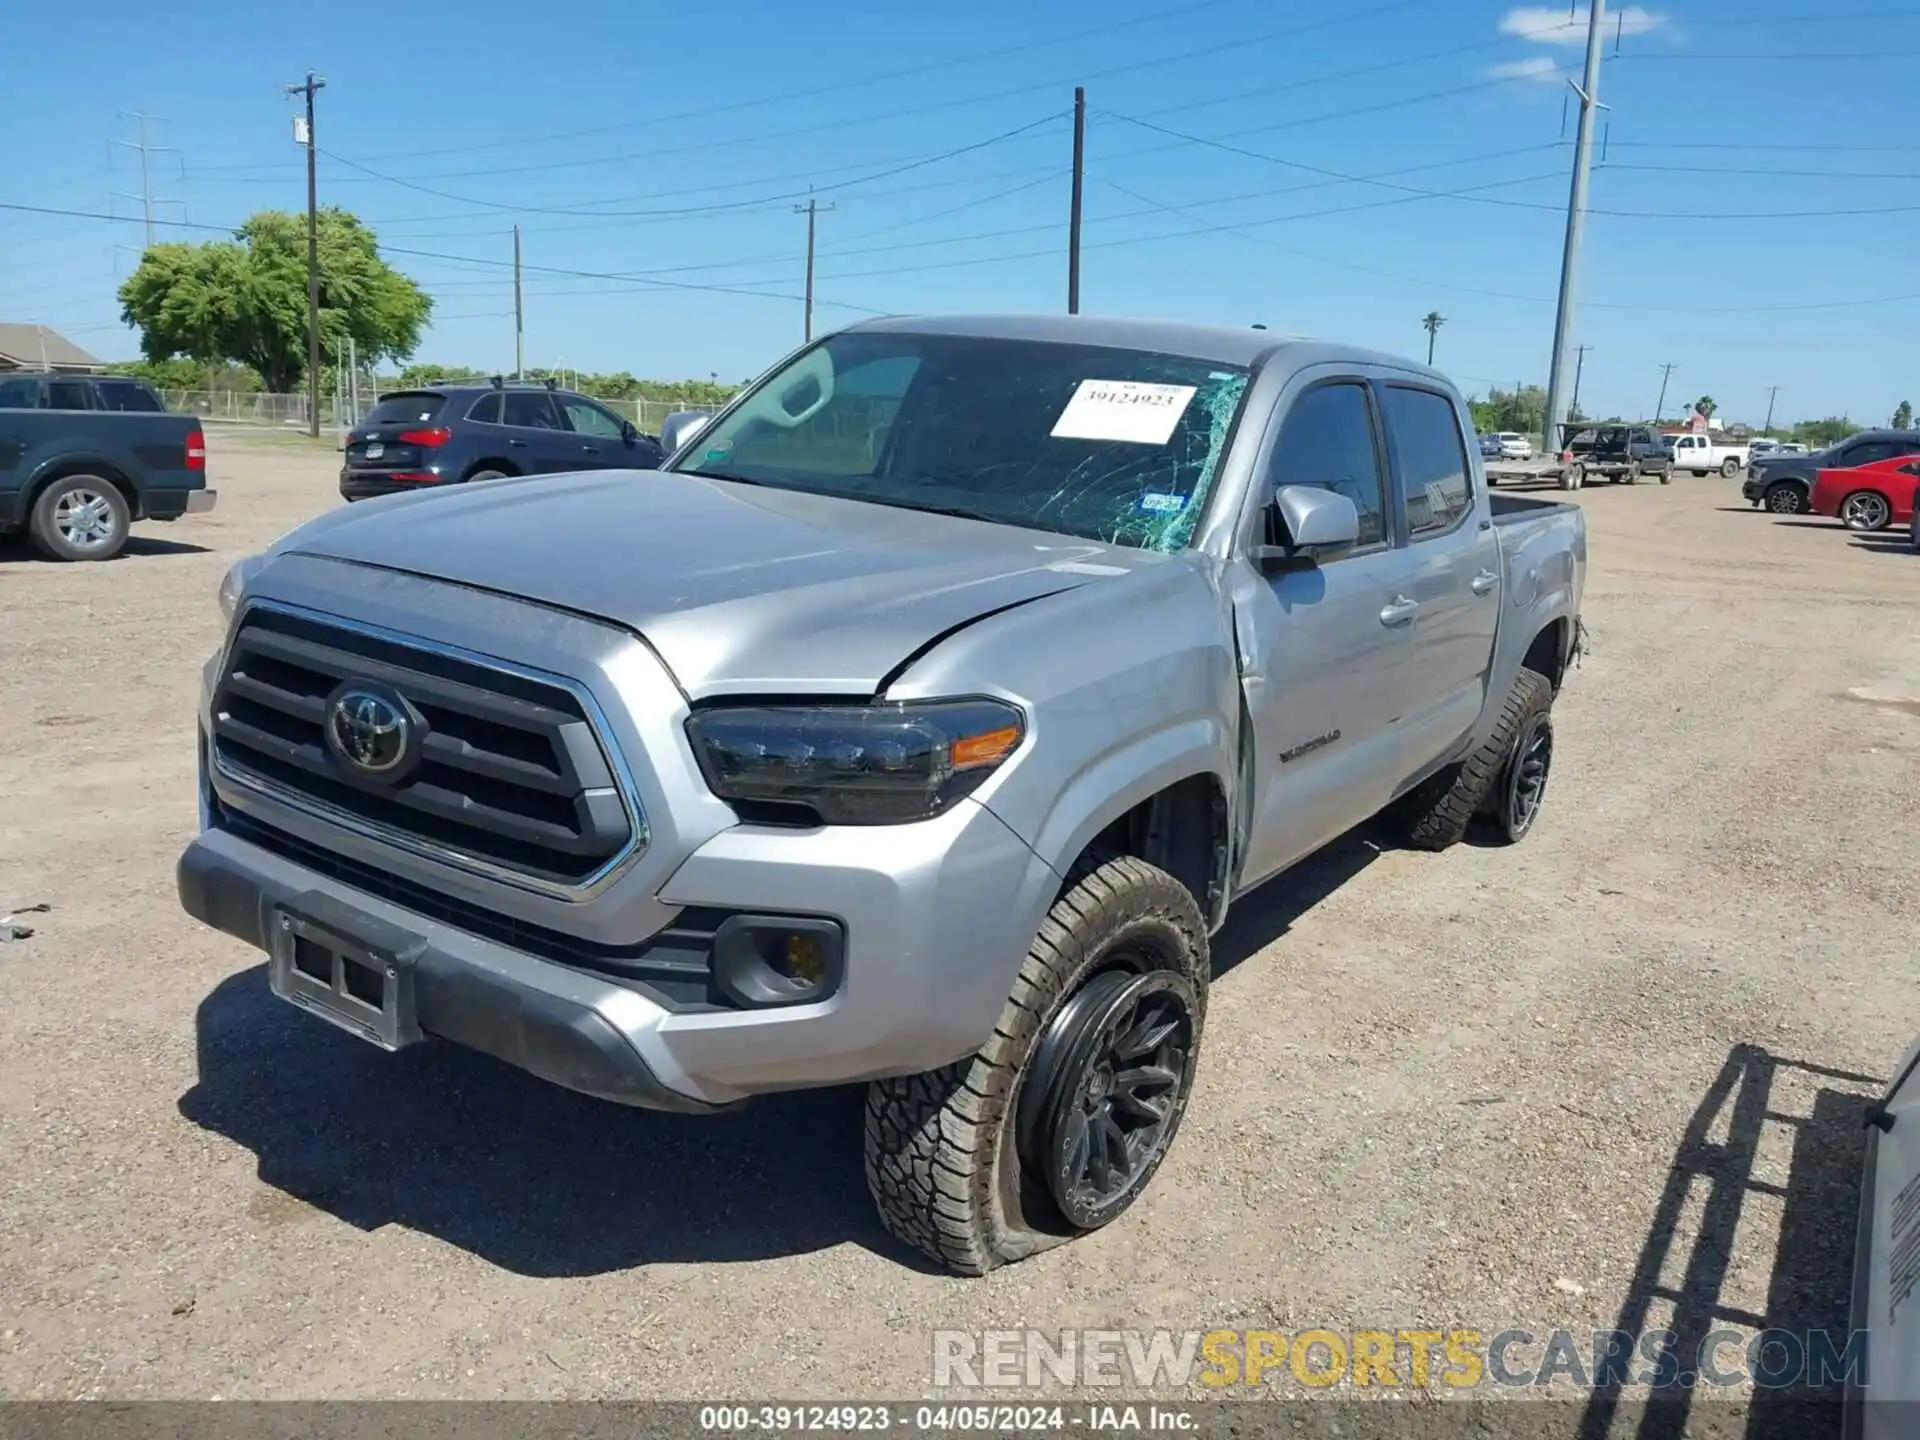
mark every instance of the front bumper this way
{"type": "Point", "coordinates": [937, 917]}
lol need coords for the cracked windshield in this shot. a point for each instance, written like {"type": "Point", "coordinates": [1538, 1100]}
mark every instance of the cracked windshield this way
{"type": "Point", "coordinates": [1113, 445]}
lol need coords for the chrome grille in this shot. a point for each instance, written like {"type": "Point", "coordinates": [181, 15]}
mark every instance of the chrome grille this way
{"type": "Point", "coordinates": [510, 778]}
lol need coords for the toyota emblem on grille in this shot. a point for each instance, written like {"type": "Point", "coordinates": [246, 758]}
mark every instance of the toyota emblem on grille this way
{"type": "Point", "coordinates": [368, 727]}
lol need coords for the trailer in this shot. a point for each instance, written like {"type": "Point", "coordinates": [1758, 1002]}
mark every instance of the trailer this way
{"type": "Point", "coordinates": [1615, 453]}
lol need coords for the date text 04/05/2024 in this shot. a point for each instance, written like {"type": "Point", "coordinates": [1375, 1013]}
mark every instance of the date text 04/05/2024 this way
{"type": "Point", "coordinates": [943, 1419]}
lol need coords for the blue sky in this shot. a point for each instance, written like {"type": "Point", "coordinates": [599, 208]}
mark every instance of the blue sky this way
{"type": "Point", "coordinates": [669, 144]}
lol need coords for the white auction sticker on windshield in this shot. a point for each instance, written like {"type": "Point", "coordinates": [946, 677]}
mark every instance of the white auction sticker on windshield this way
{"type": "Point", "coordinates": [1132, 410]}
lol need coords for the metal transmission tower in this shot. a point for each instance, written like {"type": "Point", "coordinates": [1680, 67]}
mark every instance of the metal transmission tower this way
{"type": "Point", "coordinates": [146, 199]}
{"type": "Point", "coordinates": [1589, 92]}
{"type": "Point", "coordinates": [303, 133]}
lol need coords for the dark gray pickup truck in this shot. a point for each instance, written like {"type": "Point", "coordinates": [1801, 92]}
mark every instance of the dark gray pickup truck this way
{"type": "Point", "coordinates": [82, 457]}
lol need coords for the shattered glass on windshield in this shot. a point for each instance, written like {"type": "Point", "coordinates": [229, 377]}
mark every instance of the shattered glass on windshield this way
{"type": "Point", "coordinates": [1120, 446]}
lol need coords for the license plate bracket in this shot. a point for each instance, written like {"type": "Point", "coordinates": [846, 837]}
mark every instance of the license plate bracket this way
{"type": "Point", "coordinates": [347, 967]}
{"type": "Point", "coordinates": [376, 450]}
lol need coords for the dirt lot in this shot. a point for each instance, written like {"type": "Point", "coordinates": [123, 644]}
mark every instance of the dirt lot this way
{"type": "Point", "coordinates": [1535, 1086]}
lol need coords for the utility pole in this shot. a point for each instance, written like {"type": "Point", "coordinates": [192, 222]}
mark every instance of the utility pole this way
{"type": "Point", "coordinates": [1661, 404]}
{"type": "Point", "coordinates": [811, 209]}
{"type": "Point", "coordinates": [519, 315]}
{"type": "Point", "coordinates": [305, 135]}
{"type": "Point", "coordinates": [1579, 366]}
{"type": "Point", "coordinates": [1079, 179]}
{"type": "Point", "coordinates": [1589, 92]}
{"type": "Point", "coordinates": [1772, 390]}
{"type": "Point", "coordinates": [146, 197]}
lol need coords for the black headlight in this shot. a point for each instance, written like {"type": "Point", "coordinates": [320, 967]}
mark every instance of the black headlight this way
{"type": "Point", "coordinates": [852, 764]}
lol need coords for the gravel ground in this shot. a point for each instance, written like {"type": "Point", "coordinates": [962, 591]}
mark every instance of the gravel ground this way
{"type": "Point", "coordinates": [1533, 1086]}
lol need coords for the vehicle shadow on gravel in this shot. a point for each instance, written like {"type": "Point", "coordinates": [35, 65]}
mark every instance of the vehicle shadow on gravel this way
{"type": "Point", "coordinates": [18, 550]}
{"type": "Point", "coordinates": [1262, 916]}
{"type": "Point", "coordinates": [1886, 542]}
{"type": "Point", "coordinates": [1710, 1182]}
{"type": "Point", "coordinates": [530, 1177]}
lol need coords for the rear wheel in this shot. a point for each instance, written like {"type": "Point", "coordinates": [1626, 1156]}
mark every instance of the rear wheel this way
{"type": "Point", "coordinates": [487, 475]}
{"type": "Point", "coordinates": [1730, 468]}
{"type": "Point", "coordinates": [1785, 499]}
{"type": "Point", "coordinates": [1060, 1120]}
{"type": "Point", "coordinates": [1523, 784]}
{"type": "Point", "coordinates": [1439, 811]}
{"type": "Point", "coordinates": [1866, 510]}
{"type": "Point", "coordinates": [1573, 477]}
{"type": "Point", "coordinates": [81, 517]}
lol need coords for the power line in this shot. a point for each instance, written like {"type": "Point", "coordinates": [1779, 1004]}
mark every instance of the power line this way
{"type": "Point", "coordinates": [1716, 214]}
{"type": "Point", "coordinates": [706, 112]}
{"type": "Point", "coordinates": [694, 209]}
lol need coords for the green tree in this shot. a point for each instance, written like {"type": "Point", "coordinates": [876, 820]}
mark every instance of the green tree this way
{"type": "Point", "coordinates": [1903, 416]}
{"type": "Point", "coordinates": [245, 300]}
{"type": "Point", "coordinates": [1706, 405]}
{"type": "Point", "coordinates": [184, 374]}
{"type": "Point", "coordinates": [1821, 433]}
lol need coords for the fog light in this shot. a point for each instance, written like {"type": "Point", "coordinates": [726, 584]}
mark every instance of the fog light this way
{"type": "Point", "coordinates": [767, 960]}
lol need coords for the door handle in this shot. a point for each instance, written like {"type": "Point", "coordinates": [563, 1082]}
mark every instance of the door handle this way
{"type": "Point", "coordinates": [521, 443]}
{"type": "Point", "coordinates": [1398, 611]}
{"type": "Point", "coordinates": [1483, 583]}
{"type": "Point", "coordinates": [590, 449]}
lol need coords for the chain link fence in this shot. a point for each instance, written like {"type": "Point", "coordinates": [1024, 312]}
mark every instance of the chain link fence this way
{"type": "Point", "coordinates": [289, 412]}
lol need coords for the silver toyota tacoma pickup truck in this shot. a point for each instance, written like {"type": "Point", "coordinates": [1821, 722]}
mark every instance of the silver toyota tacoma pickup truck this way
{"type": "Point", "coordinates": [915, 724]}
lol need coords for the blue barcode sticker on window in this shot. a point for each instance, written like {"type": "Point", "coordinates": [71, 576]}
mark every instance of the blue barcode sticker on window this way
{"type": "Point", "coordinates": [1160, 504]}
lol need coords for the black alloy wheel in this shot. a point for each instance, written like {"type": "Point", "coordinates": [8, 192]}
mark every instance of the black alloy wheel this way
{"type": "Point", "coordinates": [1107, 1092]}
{"type": "Point", "coordinates": [1527, 776]}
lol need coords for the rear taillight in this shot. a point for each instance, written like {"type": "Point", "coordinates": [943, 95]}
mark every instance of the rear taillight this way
{"type": "Point", "coordinates": [438, 435]}
{"type": "Point", "coordinates": [196, 451]}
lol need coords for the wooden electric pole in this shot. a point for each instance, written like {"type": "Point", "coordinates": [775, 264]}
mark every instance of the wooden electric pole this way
{"type": "Point", "coordinates": [1079, 176]}
{"type": "Point", "coordinates": [308, 88]}
{"type": "Point", "coordinates": [811, 210]}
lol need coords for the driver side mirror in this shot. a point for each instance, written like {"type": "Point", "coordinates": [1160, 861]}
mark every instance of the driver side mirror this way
{"type": "Point", "coordinates": [680, 427]}
{"type": "Point", "coordinates": [629, 432]}
{"type": "Point", "coordinates": [1310, 526]}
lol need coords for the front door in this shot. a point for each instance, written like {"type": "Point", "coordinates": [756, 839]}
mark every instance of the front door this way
{"type": "Point", "coordinates": [1455, 579]}
{"type": "Point", "coordinates": [1322, 647]}
{"type": "Point", "coordinates": [599, 441]}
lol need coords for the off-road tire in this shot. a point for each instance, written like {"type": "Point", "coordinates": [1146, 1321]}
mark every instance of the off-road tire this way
{"type": "Point", "coordinates": [1439, 812]}
{"type": "Point", "coordinates": [941, 1153]}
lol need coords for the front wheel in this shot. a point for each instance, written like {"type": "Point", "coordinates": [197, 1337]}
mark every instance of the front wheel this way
{"type": "Point", "coordinates": [1730, 468]}
{"type": "Point", "coordinates": [81, 517]}
{"type": "Point", "coordinates": [1784, 499]}
{"type": "Point", "coordinates": [1866, 511]}
{"type": "Point", "coordinates": [1060, 1120]}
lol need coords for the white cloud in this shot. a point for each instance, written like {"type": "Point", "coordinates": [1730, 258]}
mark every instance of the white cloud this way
{"type": "Point", "coordinates": [1537, 71]}
{"type": "Point", "coordinates": [1549, 25]}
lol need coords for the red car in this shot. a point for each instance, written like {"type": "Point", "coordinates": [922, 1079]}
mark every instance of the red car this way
{"type": "Point", "coordinates": [1868, 497]}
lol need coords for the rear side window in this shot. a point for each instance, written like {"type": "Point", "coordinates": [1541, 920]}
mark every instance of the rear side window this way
{"type": "Point", "coordinates": [1327, 442]}
{"type": "Point", "coordinates": [69, 395]}
{"type": "Point", "coordinates": [19, 394]}
{"type": "Point", "coordinates": [1433, 459]}
{"type": "Point", "coordinates": [1866, 453]}
{"type": "Point", "coordinates": [412, 408]}
{"type": "Point", "coordinates": [486, 410]}
{"type": "Point", "coordinates": [128, 395]}
{"type": "Point", "coordinates": [532, 410]}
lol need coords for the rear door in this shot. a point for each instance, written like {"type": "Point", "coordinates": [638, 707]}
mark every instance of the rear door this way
{"type": "Point", "coordinates": [1454, 577]}
{"type": "Point", "coordinates": [1323, 647]}
{"type": "Point", "coordinates": [538, 440]}
{"type": "Point", "coordinates": [127, 395]}
{"type": "Point", "coordinates": [62, 393]}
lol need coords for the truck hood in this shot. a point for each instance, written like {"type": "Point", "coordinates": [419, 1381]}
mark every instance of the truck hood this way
{"type": "Point", "coordinates": [738, 588]}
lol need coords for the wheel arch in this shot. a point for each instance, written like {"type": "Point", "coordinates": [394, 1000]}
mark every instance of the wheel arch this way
{"type": "Point", "coordinates": [504, 466]}
{"type": "Point", "coordinates": [66, 468]}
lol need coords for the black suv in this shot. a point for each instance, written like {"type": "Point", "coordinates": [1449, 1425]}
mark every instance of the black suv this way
{"type": "Point", "coordinates": [449, 434]}
{"type": "Point", "coordinates": [1784, 483]}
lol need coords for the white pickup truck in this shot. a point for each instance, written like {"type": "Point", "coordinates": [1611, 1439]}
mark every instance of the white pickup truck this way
{"type": "Point", "coordinates": [1703, 454]}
